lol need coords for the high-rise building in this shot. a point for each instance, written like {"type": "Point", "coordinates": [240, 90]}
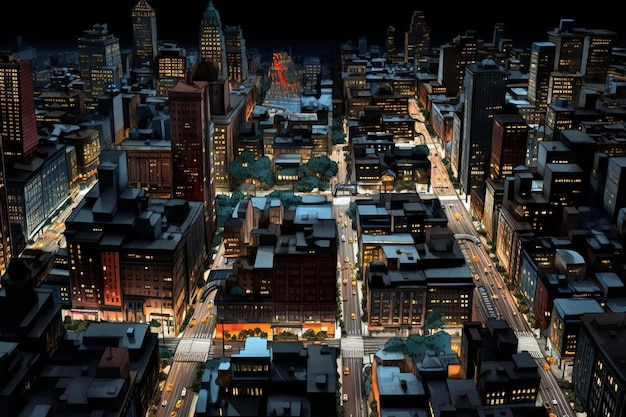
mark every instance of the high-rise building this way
{"type": "Point", "coordinates": [508, 145]}
{"type": "Point", "coordinates": [453, 59]}
{"type": "Point", "coordinates": [191, 132]}
{"type": "Point", "coordinates": [100, 61]}
{"type": "Point", "coordinates": [170, 67]}
{"type": "Point", "coordinates": [485, 91]}
{"type": "Point", "coordinates": [541, 66]}
{"type": "Point", "coordinates": [212, 42]}
{"type": "Point", "coordinates": [391, 42]}
{"type": "Point", "coordinates": [417, 38]}
{"type": "Point", "coordinates": [18, 125]}
{"type": "Point", "coordinates": [144, 33]}
{"type": "Point", "coordinates": [236, 55]}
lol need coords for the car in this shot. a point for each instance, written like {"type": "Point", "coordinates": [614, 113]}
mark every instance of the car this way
{"type": "Point", "coordinates": [205, 318]}
{"type": "Point", "coordinates": [353, 283]}
{"type": "Point", "coordinates": [173, 413]}
{"type": "Point", "coordinates": [346, 259]}
{"type": "Point", "coordinates": [345, 281]}
{"type": "Point", "coordinates": [343, 238]}
{"type": "Point", "coordinates": [351, 265]}
{"type": "Point", "coordinates": [485, 270]}
{"type": "Point", "coordinates": [495, 296]}
{"type": "Point", "coordinates": [228, 347]}
{"type": "Point", "coordinates": [353, 316]}
{"type": "Point", "coordinates": [353, 292]}
{"type": "Point", "coordinates": [179, 403]}
{"type": "Point", "coordinates": [183, 392]}
{"type": "Point", "coordinates": [554, 402]}
{"type": "Point", "coordinates": [164, 403]}
{"type": "Point", "coordinates": [499, 287]}
{"type": "Point", "coordinates": [515, 313]}
{"type": "Point", "coordinates": [350, 240]}
{"type": "Point", "coordinates": [169, 387]}
{"type": "Point", "coordinates": [192, 322]}
{"type": "Point", "coordinates": [476, 277]}
{"type": "Point", "coordinates": [346, 370]}
{"type": "Point", "coordinates": [475, 258]}
{"type": "Point", "coordinates": [345, 397]}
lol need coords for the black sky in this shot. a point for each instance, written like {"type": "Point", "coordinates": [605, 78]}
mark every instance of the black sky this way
{"type": "Point", "coordinates": [301, 25]}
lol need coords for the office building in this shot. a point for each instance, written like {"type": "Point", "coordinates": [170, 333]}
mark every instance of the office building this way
{"type": "Point", "coordinates": [541, 66]}
{"type": "Point", "coordinates": [417, 38]}
{"type": "Point", "coordinates": [100, 61]}
{"type": "Point", "coordinates": [596, 365]}
{"type": "Point", "coordinates": [133, 258]}
{"type": "Point", "coordinates": [508, 145]}
{"type": "Point", "coordinates": [191, 136]}
{"type": "Point", "coordinates": [485, 88]}
{"type": "Point", "coordinates": [144, 24]}
{"type": "Point", "coordinates": [170, 67]}
{"type": "Point", "coordinates": [236, 55]}
{"type": "Point", "coordinates": [212, 41]}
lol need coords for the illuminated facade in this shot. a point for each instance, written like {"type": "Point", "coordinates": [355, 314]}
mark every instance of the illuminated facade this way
{"type": "Point", "coordinates": [541, 66]}
{"type": "Point", "coordinates": [597, 371]}
{"type": "Point", "coordinates": [485, 88]}
{"type": "Point", "coordinates": [100, 61]}
{"type": "Point", "coordinates": [132, 258]}
{"type": "Point", "coordinates": [18, 126]}
{"type": "Point", "coordinates": [508, 145]}
{"type": "Point", "coordinates": [417, 38]}
{"type": "Point", "coordinates": [236, 55]}
{"type": "Point", "coordinates": [144, 24]}
{"type": "Point", "coordinates": [170, 67]}
{"type": "Point", "coordinates": [212, 42]}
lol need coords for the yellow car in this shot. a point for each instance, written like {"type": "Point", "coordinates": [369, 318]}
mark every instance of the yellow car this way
{"type": "Point", "coordinates": [173, 413]}
{"type": "Point", "coordinates": [179, 403]}
{"type": "Point", "coordinates": [205, 318]}
{"type": "Point", "coordinates": [350, 240]}
{"type": "Point", "coordinates": [353, 316]}
{"type": "Point", "coordinates": [169, 387]}
{"type": "Point", "coordinates": [192, 322]}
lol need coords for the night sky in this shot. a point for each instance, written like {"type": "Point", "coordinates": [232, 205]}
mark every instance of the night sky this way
{"type": "Point", "coordinates": [281, 24]}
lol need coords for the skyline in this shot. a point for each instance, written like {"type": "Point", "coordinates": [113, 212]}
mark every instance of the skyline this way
{"type": "Point", "coordinates": [319, 28]}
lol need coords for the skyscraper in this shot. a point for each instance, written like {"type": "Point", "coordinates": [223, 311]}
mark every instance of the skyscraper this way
{"type": "Point", "coordinates": [541, 65]}
{"type": "Point", "coordinates": [485, 89]}
{"type": "Point", "coordinates": [191, 132]}
{"type": "Point", "coordinates": [144, 33]}
{"type": "Point", "coordinates": [18, 125]}
{"type": "Point", "coordinates": [100, 61]}
{"type": "Point", "coordinates": [417, 38]}
{"type": "Point", "coordinates": [236, 56]}
{"type": "Point", "coordinates": [212, 42]}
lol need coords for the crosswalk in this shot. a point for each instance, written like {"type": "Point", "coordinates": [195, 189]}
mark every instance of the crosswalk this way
{"type": "Point", "coordinates": [526, 341]}
{"type": "Point", "coordinates": [193, 350]}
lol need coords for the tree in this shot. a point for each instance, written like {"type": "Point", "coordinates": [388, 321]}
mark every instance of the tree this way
{"type": "Point", "coordinates": [262, 171]}
{"type": "Point", "coordinates": [394, 344]}
{"type": "Point", "coordinates": [434, 320]}
{"type": "Point", "coordinates": [421, 151]}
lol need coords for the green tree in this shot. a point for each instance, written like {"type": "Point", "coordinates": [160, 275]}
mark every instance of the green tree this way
{"type": "Point", "coordinates": [434, 320]}
{"type": "Point", "coordinates": [421, 151]}
{"type": "Point", "coordinates": [323, 166]}
{"type": "Point", "coordinates": [262, 171]}
{"type": "Point", "coordinates": [394, 344]}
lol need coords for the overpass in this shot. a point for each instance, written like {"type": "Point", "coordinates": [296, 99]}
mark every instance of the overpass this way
{"type": "Point", "coordinates": [467, 236]}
